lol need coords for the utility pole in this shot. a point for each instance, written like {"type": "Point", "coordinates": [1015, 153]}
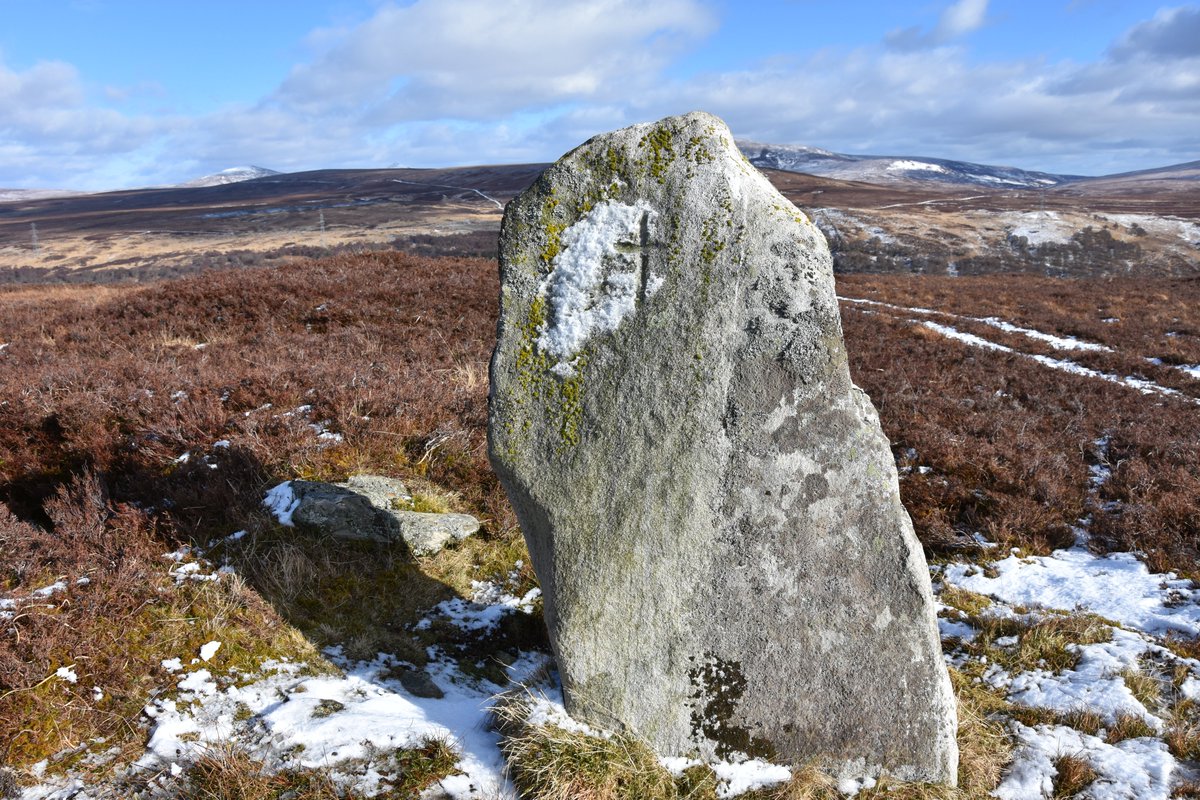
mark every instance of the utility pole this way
{"type": "Point", "coordinates": [33, 237]}
{"type": "Point", "coordinates": [322, 229]}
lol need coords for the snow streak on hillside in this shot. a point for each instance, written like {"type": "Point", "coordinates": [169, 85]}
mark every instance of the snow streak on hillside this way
{"type": "Point", "coordinates": [1057, 342]}
{"type": "Point", "coordinates": [893, 169]}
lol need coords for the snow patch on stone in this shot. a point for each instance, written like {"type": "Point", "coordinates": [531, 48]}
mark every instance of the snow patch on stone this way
{"type": "Point", "coordinates": [282, 502]}
{"type": "Point", "coordinates": [595, 280]}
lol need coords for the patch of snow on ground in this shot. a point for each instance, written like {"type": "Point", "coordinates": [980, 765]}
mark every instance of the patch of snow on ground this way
{"type": "Point", "coordinates": [1116, 586]}
{"type": "Point", "coordinates": [1057, 342]}
{"type": "Point", "coordinates": [905, 165]}
{"type": "Point", "coordinates": [483, 612]}
{"type": "Point", "coordinates": [1162, 226]}
{"type": "Point", "coordinates": [968, 338]}
{"type": "Point", "coordinates": [1095, 683]}
{"type": "Point", "coordinates": [1141, 384]}
{"type": "Point", "coordinates": [1135, 769]}
{"type": "Point", "coordinates": [1193, 370]}
{"type": "Point", "coordinates": [546, 708]}
{"type": "Point", "coordinates": [830, 218]}
{"type": "Point", "coordinates": [47, 591]}
{"type": "Point", "coordinates": [325, 722]}
{"type": "Point", "coordinates": [741, 777]}
{"type": "Point", "coordinates": [1039, 227]}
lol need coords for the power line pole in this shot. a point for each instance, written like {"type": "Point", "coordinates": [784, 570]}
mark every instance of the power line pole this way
{"type": "Point", "coordinates": [33, 238]}
{"type": "Point", "coordinates": [322, 229]}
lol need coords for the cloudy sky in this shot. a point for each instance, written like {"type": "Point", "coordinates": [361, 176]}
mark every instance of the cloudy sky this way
{"type": "Point", "coordinates": [101, 94]}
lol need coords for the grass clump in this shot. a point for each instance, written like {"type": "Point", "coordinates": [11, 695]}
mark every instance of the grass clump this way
{"type": "Point", "coordinates": [550, 763]}
{"type": "Point", "coordinates": [1072, 775]}
{"type": "Point", "coordinates": [1183, 739]}
{"type": "Point", "coordinates": [227, 773]}
{"type": "Point", "coordinates": [409, 771]}
{"type": "Point", "coordinates": [971, 603]}
{"type": "Point", "coordinates": [1128, 726]}
{"type": "Point", "coordinates": [1145, 685]}
{"type": "Point", "coordinates": [1084, 721]}
{"type": "Point", "coordinates": [985, 746]}
{"type": "Point", "coordinates": [1043, 644]}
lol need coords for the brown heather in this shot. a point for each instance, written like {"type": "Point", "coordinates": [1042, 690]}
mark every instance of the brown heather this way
{"type": "Point", "coordinates": [101, 392]}
{"type": "Point", "coordinates": [103, 389]}
{"type": "Point", "coordinates": [1009, 441]}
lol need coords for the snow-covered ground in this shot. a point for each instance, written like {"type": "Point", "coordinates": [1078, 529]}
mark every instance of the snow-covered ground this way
{"type": "Point", "coordinates": [1168, 227]}
{"type": "Point", "coordinates": [1039, 227]}
{"type": "Point", "coordinates": [1142, 606]}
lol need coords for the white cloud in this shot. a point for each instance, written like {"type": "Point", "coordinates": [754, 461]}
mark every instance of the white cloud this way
{"type": "Point", "coordinates": [49, 134]}
{"type": "Point", "coordinates": [445, 82]}
{"type": "Point", "coordinates": [962, 18]}
{"type": "Point", "coordinates": [958, 19]}
{"type": "Point", "coordinates": [1065, 117]}
{"type": "Point", "coordinates": [477, 59]}
{"type": "Point", "coordinates": [1172, 33]}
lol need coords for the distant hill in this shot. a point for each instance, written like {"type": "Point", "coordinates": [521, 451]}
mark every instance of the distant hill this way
{"type": "Point", "coordinates": [1176, 178]}
{"type": "Point", "coordinates": [22, 195]}
{"type": "Point", "coordinates": [895, 170]}
{"type": "Point", "coordinates": [231, 175]}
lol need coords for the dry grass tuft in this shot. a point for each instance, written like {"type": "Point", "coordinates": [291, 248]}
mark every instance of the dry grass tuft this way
{"type": "Point", "coordinates": [1128, 726]}
{"type": "Point", "coordinates": [227, 773]}
{"type": "Point", "coordinates": [550, 763]}
{"type": "Point", "coordinates": [1084, 721]}
{"type": "Point", "coordinates": [1072, 775]}
{"type": "Point", "coordinates": [1145, 685]}
{"type": "Point", "coordinates": [971, 603]}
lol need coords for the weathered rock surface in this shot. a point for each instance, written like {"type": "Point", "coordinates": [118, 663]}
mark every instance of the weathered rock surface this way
{"type": "Point", "coordinates": [428, 533]}
{"type": "Point", "coordinates": [364, 508]}
{"type": "Point", "coordinates": [709, 502]}
{"type": "Point", "coordinates": [333, 510]}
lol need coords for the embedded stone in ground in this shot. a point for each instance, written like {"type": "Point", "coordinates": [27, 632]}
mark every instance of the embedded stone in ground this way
{"type": "Point", "coordinates": [709, 502]}
{"type": "Point", "coordinates": [365, 508]}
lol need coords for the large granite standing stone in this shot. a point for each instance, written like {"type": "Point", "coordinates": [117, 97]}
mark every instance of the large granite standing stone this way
{"type": "Point", "coordinates": [709, 502]}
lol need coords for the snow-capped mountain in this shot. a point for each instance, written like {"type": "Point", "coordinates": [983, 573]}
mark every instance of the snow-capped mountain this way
{"type": "Point", "coordinates": [231, 175]}
{"type": "Point", "coordinates": [894, 169]}
{"type": "Point", "coordinates": [22, 195]}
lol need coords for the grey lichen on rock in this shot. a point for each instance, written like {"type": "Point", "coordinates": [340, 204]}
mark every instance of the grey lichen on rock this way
{"type": "Point", "coordinates": [710, 504]}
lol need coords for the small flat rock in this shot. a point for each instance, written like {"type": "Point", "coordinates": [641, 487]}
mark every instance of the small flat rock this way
{"type": "Point", "coordinates": [331, 510]}
{"type": "Point", "coordinates": [710, 504]}
{"type": "Point", "coordinates": [364, 508]}
{"type": "Point", "coordinates": [418, 683]}
{"type": "Point", "coordinates": [383, 492]}
{"type": "Point", "coordinates": [429, 533]}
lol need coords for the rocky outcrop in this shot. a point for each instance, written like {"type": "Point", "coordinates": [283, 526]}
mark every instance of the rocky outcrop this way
{"type": "Point", "coordinates": [369, 508]}
{"type": "Point", "coordinates": [709, 502]}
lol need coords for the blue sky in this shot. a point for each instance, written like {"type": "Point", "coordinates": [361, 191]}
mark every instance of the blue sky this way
{"type": "Point", "coordinates": [113, 93]}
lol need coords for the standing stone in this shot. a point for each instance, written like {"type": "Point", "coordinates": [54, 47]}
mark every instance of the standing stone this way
{"type": "Point", "coordinates": [709, 502]}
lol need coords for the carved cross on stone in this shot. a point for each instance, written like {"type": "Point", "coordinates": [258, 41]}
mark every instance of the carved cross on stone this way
{"type": "Point", "coordinates": [642, 250]}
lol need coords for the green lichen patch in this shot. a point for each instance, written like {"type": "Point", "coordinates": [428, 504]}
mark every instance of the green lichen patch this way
{"type": "Point", "coordinates": [659, 144]}
{"type": "Point", "coordinates": [552, 228]}
{"type": "Point", "coordinates": [543, 394]}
